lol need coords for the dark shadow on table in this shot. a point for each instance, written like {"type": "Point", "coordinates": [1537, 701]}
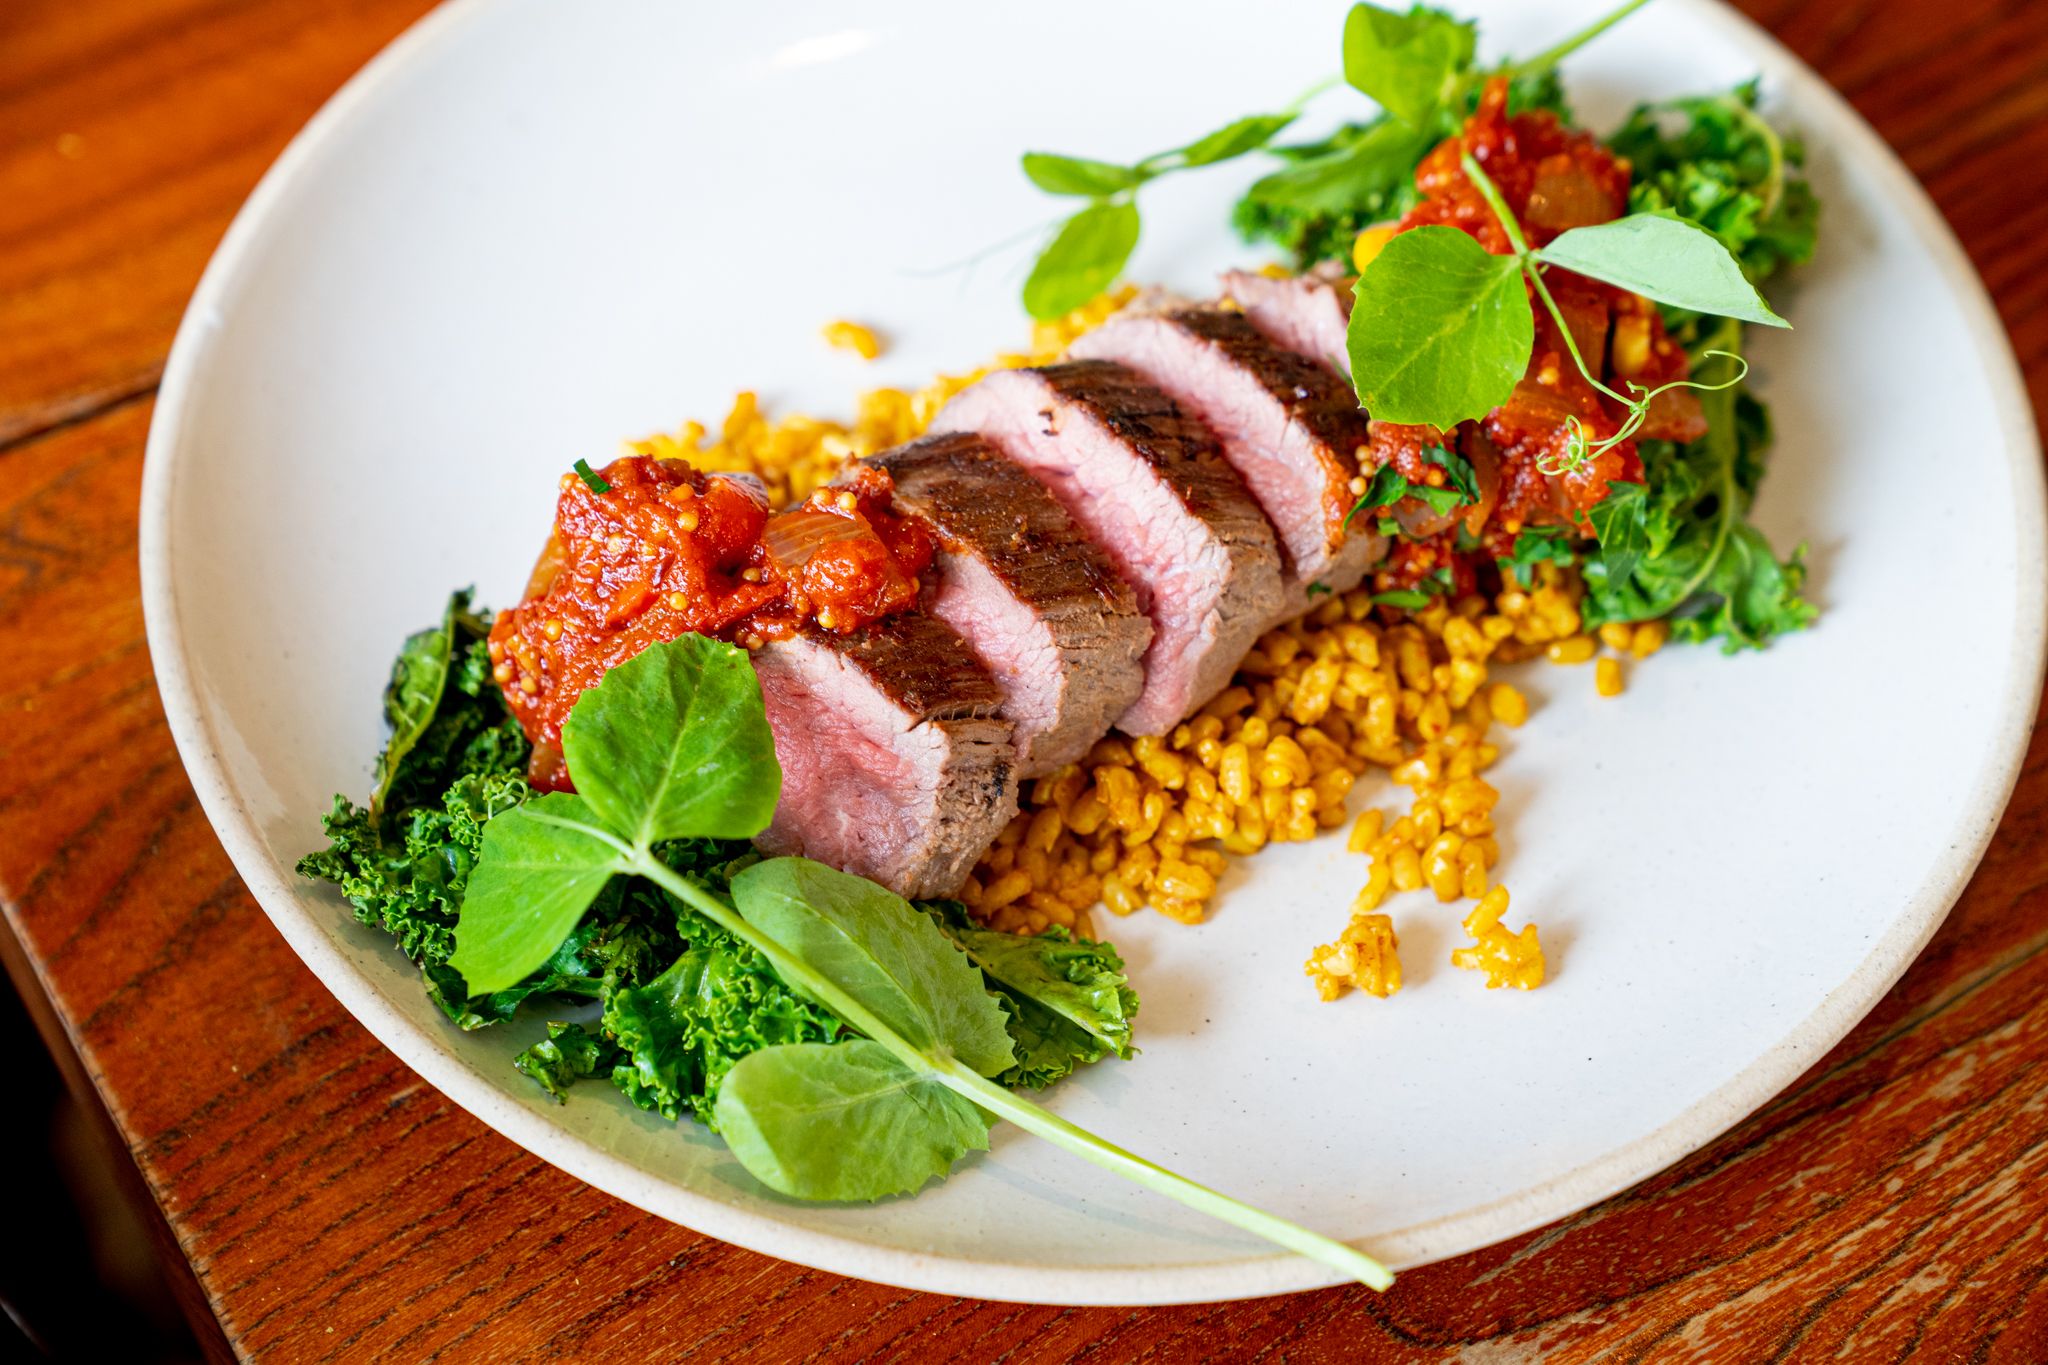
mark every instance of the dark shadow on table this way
{"type": "Point", "coordinates": [79, 1275]}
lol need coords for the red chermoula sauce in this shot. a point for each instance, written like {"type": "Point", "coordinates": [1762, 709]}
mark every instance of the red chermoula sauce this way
{"type": "Point", "coordinates": [1554, 178]}
{"type": "Point", "coordinates": [665, 550]}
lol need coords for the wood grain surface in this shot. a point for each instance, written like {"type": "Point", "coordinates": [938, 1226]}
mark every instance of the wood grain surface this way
{"type": "Point", "coordinates": [332, 1206]}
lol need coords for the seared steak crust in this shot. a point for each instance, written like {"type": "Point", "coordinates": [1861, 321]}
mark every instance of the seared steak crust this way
{"type": "Point", "coordinates": [1312, 395]}
{"type": "Point", "coordinates": [921, 665]}
{"type": "Point", "coordinates": [1163, 434]}
{"type": "Point", "coordinates": [1308, 314]}
{"type": "Point", "coordinates": [1288, 425]}
{"type": "Point", "coordinates": [1148, 484]}
{"type": "Point", "coordinates": [983, 505]}
{"type": "Point", "coordinates": [1042, 605]}
{"type": "Point", "coordinates": [895, 765]}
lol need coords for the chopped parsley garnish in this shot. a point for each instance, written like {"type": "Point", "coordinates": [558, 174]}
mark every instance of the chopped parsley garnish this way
{"type": "Point", "coordinates": [591, 478]}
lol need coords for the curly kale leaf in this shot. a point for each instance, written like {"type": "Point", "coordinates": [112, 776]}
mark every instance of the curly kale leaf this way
{"type": "Point", "coordinates": [1713, 161]}
{"type": "Point", "coordinates": [448, 769]}
{"type": "Point", "coordinates": [1069, 1001]}
{"type": "Point", "coordinates": [682, 1032]}
{"type": "Point", "coordinates": [1690, 551]}
{"type": "Point", "coordinates": [568, 1054]}
{"type": "Point", "coordinates": [1364, 173]}
{"type": "Point", "coordinates": [405, 874]}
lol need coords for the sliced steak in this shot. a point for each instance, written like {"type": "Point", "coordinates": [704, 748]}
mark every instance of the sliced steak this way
{"type": "Point", "coordinates": [1147, 482]}
{"type": "Point", "coordinates": [1308, 314]}
{"type": "Point", "coordinates": [1041, 604]}
{"type": "Point", "coordinates": [895, 765]}
{"type": "Point", "coordinates": [1291, 427]}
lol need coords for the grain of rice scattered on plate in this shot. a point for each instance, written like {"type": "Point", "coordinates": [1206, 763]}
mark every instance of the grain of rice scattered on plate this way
{"type": "Point", "coordinates": [1316, 705]}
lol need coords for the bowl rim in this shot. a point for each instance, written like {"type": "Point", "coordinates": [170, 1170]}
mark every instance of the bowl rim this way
{"type": "Point", "coordinates": [1825, 113]}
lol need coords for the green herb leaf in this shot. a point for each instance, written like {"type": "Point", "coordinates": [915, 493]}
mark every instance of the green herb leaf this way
{"type": "Point", "coordinates": [674, 744]}
{"type": "Point", "coordinates": [1390, 486]}
{"type": "Point", "coordinates": [843, 1121]}
{"type": "Point", "coordinates": [540, 868]}
{"type": "Point", "coordinates": [1084, 259]}
{"type": "Point", "coordinates": [1077, 175]}
{"type": "Point", "coordinates": [1619, 526]}
{"type": "Point", "coordinates": [413, 696]}
{"type": "Point", "coordinates": [1441, 331]}
{"type": "Point", "coordinates": [591, 478]}
{"type": "Point", "coordinates": [1696, 558]}
{"type": "Point", "coordinates": [870, 943]}
{"type": "Point", "coordinates": [1537, 545]}
{"type": "Point", "coordinates": [1666, 259]}
{"type": "Point", "coordinates": [1714, 161]}
{"type": "Point", "coordinates": [1406, 61]}
{"type": "Point", "coordinates": [1407, 599]}
{"type": "Point", "coordinates": [1233, 139]}
{"type": "Point", "coordinates": [1457, 470]}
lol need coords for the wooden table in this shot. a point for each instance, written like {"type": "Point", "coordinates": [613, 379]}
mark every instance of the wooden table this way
{"type": "Point", "coordinates": [331, 1205]}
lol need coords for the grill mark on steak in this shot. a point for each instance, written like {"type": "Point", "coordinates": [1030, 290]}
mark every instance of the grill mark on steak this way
{"type": "Point", "coordinates": [1044, 607]}
{"type": "Point", "coordinates": [981, 504]}
{"type": "Point", "coordinates": [1308, 314]}
{"type": "Point", "coordinates": [1289, 426]}
{"type": "Point", "coordinates": [921, 665]}
{"type": "Point", "coordinates": [1162, 433]}
{"type": "Point", "coordinates": [1145, 480]}
{"type": "Point", "coordinates": [895, 765]}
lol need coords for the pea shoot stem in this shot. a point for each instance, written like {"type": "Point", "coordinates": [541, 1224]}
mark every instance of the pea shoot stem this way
{"type": "Point", "coordinates": [1551, 56]}
{"type": "Point", "coordinates": [964, 1081]}
{"type": "Point", "coordinates": [1774, 151]}
{"type": "Point", "coordinates": [1637, 409]}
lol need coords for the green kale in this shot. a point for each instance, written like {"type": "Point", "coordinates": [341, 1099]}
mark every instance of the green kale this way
{"type": "Point", "coordinates": [1713, 161]}
{"type": "Point", "coordinates": [1680, 543]}
{"type": "Point", "coordinates": [626, 940]}
{"type": "Point", "coordinates": [456, 758]}
{"type": "Point", "coordinates": [1364, 173]}
{"type": "Point", "coordinates": [405, 873]}
{"type": "Point", "coordinates": [568, 1054]}
{"type": "Point", "coordinates": [681, 1033]}
{"type": "Point", "coordinates": [1068, 1000]}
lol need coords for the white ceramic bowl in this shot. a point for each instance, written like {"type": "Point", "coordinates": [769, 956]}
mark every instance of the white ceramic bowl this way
{"type": "Point", "coordinates": [532, 228]}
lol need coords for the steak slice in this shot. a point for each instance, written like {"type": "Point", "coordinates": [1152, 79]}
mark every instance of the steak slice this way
{"type": "Point", "coordinates": [1040, 603]}
{"type": "Point", "coordinates": [1291, 427]}
{"type": "Point", "coordinates": [1308, 314]}
{"type": "Point", "coordinates": [895, 765]}
{"type": "Point", "coordinates": [1147, 482]}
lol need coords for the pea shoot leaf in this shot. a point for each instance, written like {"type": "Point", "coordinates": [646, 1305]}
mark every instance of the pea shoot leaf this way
{"type": "Point", "coordinates": [843, 1121]}
{"type": "Point", "coordinates": [540, 867]}
{"type": "Point", "coordinates": [674, 744]}
{"type": "Point", "coordinates": [1441, 331]}
{"type": "Point", "coordinates": [1077, 175]}
{"type": "Point", "coordinates": [1405, 61]}
{"type": "Point", "coordinates": [1666, 259]}
{"type": "Point", "coordinates": [1084, 259]}
{"type": "Point", "coordinates": [869, 942]}
{"type": "Point", "coordinates": [1233, 139]}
